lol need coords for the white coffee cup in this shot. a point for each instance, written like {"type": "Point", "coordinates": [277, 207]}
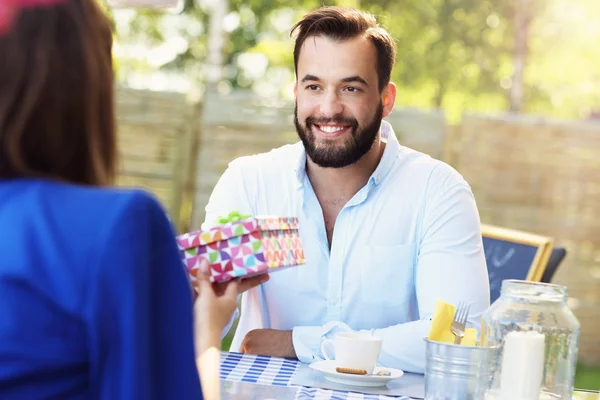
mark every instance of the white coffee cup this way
{"type": "Point", "coordinates": [353, 350]}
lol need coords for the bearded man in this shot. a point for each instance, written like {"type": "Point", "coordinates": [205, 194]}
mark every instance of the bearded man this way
{"type": "Point", "coordinates": [386, 230]}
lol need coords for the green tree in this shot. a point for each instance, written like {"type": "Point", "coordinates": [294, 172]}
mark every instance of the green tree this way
{"type": "Point", "coordinates": [454, 54]}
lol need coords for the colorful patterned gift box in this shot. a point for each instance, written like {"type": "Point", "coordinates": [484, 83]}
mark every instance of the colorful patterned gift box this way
{"type": "Point", "coordinates": [246, 247]}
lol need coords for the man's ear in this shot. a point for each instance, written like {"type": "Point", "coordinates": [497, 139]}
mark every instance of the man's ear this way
{"type": "Point", "coordinates": [388, 98]}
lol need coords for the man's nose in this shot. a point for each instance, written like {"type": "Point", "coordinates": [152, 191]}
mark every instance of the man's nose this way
{"type": "Point", "coordinates": [331, 105]}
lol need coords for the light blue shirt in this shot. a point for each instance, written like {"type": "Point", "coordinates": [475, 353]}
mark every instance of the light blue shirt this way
{"type": "Point", "coordinates": [409, 237]}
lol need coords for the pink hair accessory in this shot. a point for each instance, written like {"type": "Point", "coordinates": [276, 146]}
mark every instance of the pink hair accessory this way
{"type": "Point", "coordinates": [10, 8]}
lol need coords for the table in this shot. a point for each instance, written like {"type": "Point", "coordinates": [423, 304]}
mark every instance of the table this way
{"type": "Point", "coordinates": [245, 376]}
{"type": "Point", "coordinates": [252, 377]}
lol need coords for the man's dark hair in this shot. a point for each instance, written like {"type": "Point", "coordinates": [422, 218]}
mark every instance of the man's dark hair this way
{"type": "Point", "coordinates": [344, 23]}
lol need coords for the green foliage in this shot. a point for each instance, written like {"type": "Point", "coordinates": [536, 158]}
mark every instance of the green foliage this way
{"type": "Point", "coordinates": [587, 377]}
{"type": "Point", "coordinates": [453, 54]}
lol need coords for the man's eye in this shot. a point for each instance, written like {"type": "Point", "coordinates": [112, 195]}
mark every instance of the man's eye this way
{"type": "Point", "coordinates": [312, 87]}
{"type": "Point", "coordinates": [352, 89]}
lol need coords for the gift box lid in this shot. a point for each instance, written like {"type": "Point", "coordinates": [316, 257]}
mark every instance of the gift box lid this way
{"type": "Point", "coordinates": [268, 223]}
{"type": "Point", "coordinates": [252, 226]}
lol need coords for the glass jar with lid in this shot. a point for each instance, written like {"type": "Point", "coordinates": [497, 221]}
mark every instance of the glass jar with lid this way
{"type": "Point", "coordinates": [539, 307]}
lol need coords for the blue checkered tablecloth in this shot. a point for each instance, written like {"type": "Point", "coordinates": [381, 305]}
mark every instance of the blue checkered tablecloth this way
{"type": "Point", "coordinates": [257, 369]}
{"type": "Point", "coordinates": [325, 394]}
{"type": "Point", "coordinates": [265, 370]}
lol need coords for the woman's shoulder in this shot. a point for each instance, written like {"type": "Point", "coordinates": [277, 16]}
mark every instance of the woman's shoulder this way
{"type": "Point", "coordinates": [118, 209]}
{"type": "Point", "coordinates": [79, 212]}
{"type": "Point", "coordinates": [68, 233]}
{"type": "Point", "coordinates": [98, 201]}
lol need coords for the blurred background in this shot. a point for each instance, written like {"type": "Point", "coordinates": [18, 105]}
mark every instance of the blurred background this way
{"type": "Point", "coordinates": [505, 91]}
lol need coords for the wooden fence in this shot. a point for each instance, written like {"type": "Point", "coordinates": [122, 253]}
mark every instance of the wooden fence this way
{"type": "Point", "coordinates": [156, 135]}
{"type": "Point", "coordinates": [542, 176]}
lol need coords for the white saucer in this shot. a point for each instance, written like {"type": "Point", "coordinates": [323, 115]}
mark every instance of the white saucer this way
{"type": "Point", "coordinates": [327, 368]}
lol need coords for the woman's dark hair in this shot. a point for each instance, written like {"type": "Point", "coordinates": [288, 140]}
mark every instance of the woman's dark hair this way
{"type": "Point", "coordinates": [56, 95]}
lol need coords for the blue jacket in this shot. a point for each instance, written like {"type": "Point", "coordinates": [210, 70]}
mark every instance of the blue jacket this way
{"type": "Point", "coordinates": [94, 300]}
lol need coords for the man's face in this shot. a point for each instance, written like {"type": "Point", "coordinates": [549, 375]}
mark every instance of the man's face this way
{"type": "Point", "coordinates": [338, 104]}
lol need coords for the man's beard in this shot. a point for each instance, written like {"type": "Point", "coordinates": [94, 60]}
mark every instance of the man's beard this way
{"type": "Point", "coordinates": [338, 155]}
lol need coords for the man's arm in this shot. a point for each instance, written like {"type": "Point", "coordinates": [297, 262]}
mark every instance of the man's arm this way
{"type": "Point", "coordinates": [450, 266]}
{"type": "Point", "coordinates": [228, 195]}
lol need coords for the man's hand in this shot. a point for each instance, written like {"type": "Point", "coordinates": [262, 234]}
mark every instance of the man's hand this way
{"type": "Point", "coordinates": [269, 342]}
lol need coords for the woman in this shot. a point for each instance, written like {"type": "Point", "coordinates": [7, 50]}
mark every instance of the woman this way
{"type": "Point", "coordinates": [94, 301]}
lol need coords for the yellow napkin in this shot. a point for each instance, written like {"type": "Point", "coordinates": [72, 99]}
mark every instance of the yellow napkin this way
{"type": "Point", "coordinates": [442, 321]}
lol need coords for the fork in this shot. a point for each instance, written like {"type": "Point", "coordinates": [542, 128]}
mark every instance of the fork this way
{"type": "Point", "coordinates": [460, 321]}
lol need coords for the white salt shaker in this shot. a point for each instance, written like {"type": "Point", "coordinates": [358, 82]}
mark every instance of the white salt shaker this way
{"type": "Point", "coordinates": [522, 366]}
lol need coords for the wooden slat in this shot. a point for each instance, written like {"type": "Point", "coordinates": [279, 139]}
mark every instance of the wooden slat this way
{"type": "Point", "coordinates": [542, 176]}
{"type": "Point", "coordinates": [154, 134]}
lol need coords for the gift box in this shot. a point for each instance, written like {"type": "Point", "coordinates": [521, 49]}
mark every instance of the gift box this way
{"type": "Point", "coordinates": [243, 248]}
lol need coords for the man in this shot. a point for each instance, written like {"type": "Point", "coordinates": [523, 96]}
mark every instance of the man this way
{"type": "Point", "coordinates": [386, 230]}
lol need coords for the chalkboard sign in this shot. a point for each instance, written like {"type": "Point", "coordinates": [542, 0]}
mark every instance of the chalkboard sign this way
{"type": "Point", "coordinates": [513, 254]}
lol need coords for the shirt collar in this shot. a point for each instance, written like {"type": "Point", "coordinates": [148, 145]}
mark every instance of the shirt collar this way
{"type": "Point", "coordinates": [388, 158]}
{"type": "Point", "coordinates": [300, 167]}
{"type": "Point", "coordinates": [390, 154]}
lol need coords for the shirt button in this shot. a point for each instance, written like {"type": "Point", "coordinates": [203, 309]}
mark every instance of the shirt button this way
{"type": "Point", "coordinates": [333, 301]}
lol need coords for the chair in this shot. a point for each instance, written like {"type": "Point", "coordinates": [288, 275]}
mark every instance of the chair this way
{"type": "Point", "coordinates": [556, 257]}
{"type": "Point", "coordinates": [514, 254]}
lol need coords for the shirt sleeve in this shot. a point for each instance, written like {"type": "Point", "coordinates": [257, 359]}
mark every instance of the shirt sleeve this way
{"type": "Point", "coordinates": [139, 309]}
{"type": "Point", "coordinates": [228, 195]}
{"type": "Point", "coordinates": [450, 265]}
